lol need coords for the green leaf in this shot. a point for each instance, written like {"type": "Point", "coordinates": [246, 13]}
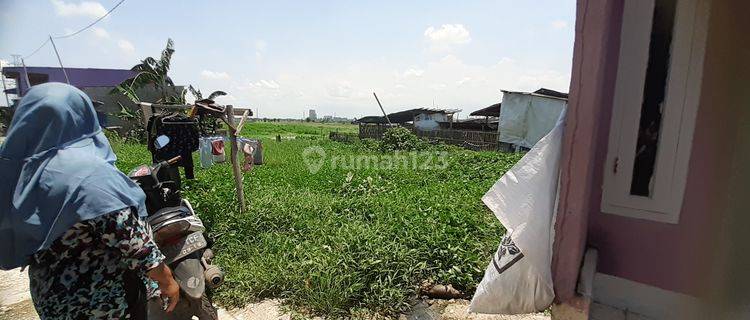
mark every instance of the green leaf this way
{"type": "Point", "coordinates": [216, 94]}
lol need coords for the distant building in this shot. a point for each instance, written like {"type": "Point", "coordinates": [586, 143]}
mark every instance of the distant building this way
{"type": "Point", "coordinates": [526, 117]}
{"type": "Point", "coordinates": [312, 115]}
{"type": "Point", "coordinates": [79, 77]}
{"type": "Point", "coordinates": [97, 83]}
{"type": "Point", "coordinates": [412, 116]}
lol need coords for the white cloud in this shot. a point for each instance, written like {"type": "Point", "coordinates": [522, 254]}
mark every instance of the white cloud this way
{"type": "Point", "coordinates": [544, 78]}
{"type": "Point", "coordinates": [4, 63]}
{"type": "Point", "coordinates": [260, 50]}
{"type": "Point", "coordinates": [342, 89]}
{"type": "Point", "coordinates": [450, 59]}
{"type": "Point", "coordinates": [214, 75]}
{"type": "Point", "coordinates": [345, 89]}
{"type": "Point", "coordinates": [413, 72]}
{"type": "Point", "coordinates": [261, 45]}
{"type": "Point", "coordinates": [126, 46]}
{"type": "Point", "coordinates": [506, 60]}
{"type": "Point", "coordinates": [101, 33]}
{"type": "Point", "coordinates": [559, 24]}
{"type": "Point", "coordinates": [438, 86]}
{"type": "Point", "coordinates": [447, 35]}
{"type": "Point", "coordinates": [265, 84]}
{"type": "Point", "coordinates": [84, 8]}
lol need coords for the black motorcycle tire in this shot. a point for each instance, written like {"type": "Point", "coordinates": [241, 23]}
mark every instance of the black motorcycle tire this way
{"type": "Point", "coordinates": [205, 310]}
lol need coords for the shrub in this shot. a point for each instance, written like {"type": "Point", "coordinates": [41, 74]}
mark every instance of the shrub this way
{"type": "Point", "coordinates": [400, 138]}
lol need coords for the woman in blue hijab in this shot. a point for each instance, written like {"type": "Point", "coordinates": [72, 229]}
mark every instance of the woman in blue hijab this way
{"type": "Point", "coordinates": [71, 216]}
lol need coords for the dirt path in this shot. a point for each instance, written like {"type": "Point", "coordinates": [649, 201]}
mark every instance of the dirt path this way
{"type": "Point", "coordinates": [15, 300]}
{"type": "Point", "coordinates": [15, 304]}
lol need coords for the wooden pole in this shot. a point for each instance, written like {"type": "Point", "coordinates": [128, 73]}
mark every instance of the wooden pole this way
{"type": "Point", "coordinates": [234, 158]}
{"type": "Point", "coordinates": [381, 108]}
{"type": "Point", "coordinates": [242, 120]}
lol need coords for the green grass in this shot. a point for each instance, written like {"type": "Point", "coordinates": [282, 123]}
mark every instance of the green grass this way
{"type": "Point", "coordinates": [341, 241]}
{"type": "Point", "coordinates": [290, 129]}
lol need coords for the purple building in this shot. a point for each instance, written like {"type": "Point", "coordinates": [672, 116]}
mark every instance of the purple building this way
{"type": "Point", "coordinates": [79, 77]}
{"type": "Point", "coordinates": [97, 83]}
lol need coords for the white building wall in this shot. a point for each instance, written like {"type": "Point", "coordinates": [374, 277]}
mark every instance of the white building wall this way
{"type": "Point", "coordinates": [526, 118]}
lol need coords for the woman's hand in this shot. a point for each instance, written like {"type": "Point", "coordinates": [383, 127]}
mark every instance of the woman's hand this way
{"type": "Point", "coordinates": [168, 287]}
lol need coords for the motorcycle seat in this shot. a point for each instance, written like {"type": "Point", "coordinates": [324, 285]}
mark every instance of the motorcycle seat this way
{"type": "Point", "coordinates": [168, 213]}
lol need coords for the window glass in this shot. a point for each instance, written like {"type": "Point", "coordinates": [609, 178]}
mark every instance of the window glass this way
{"type": "Point", "coordinates": [654, 92]}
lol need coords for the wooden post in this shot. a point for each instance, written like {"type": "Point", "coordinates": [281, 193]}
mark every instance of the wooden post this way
{"type": "Point", "coordinates": [242, 121]}
{"type": "Point", "coordinates": [234, 158]}
{"type": "Point", "coordinates": [381, 108]}
{"type": "Point", "coordinates": [146, 113]}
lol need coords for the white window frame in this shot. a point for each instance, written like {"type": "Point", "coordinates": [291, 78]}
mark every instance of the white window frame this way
{"type": "Point", "coordinates": [678, 116]}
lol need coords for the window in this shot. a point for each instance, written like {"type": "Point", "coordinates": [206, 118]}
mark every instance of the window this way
{"type": "Point", "coordinates": [38, 78]}
{"type": "Point", "coordinates": [657, 92]}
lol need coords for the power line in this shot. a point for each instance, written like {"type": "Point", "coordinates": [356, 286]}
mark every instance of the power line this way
{"type": "Point", "coordinates": [91, 24]}
{"type": "Point", "coordinates": [37, 49]}
{"type": "Point", "coordinates": [74, 33]}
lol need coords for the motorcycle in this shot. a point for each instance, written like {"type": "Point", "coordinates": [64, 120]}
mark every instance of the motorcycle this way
{"type": "Point", "coordinates": [180, 236]}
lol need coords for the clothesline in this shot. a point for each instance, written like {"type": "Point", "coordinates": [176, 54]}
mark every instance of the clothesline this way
{"type": "Point", "coordinates": [149, 109]}
{"type": "Point", "coordinates": [227, 115]}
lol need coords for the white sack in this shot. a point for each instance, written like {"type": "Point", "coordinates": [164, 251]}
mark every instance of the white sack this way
{"type": "Point", "coordinates": [519, 277]}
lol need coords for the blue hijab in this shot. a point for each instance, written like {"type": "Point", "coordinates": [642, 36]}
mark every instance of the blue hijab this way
{"type": "Point", "coordinates": [56, 169]}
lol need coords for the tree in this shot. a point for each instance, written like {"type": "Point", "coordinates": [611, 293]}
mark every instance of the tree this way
{"type": "Point", "coordinates": [153, 72]}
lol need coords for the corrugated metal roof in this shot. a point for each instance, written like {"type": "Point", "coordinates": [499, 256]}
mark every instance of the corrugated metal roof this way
{"type": "Point", "coordinates": [491, 111]}
{"type": "Point", "coordinates": [546, 93]}
{"type": "Point", "coordinates": [405, 116]}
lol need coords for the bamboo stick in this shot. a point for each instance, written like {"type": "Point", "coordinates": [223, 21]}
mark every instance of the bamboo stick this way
{"type": "Point", "coordinates": [234, 158]}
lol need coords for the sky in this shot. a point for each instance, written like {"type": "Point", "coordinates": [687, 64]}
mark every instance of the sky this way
{"type": "Point", "coordinates": [282, 57]}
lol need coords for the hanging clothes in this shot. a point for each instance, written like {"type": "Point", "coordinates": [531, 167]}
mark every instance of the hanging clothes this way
{"type": "Point", "coordinates": [212, 150]}
{"type": "Point", "coordinates": [257, 146]}
{"type": "Point", "coordinates": [181, 139]}
{"type": "Point", "coordinates": [247, 151]}
{"type": "Point", "coordinates": [205, 151]}
{"type": "Point", "coordinates": [217, 150]}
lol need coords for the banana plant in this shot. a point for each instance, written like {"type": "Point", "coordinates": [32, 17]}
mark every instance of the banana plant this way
{"type": "Point", "coordinates": [199, 96]}
{"type": "Point", "coordinates": [152, 72]}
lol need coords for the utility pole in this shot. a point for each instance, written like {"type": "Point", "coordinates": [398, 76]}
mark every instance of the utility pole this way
{"type": "Point", "coordinates": [2, 78]}
{"type": "Point", "coordinates": [16, 60]}
{"type": "Point", "coordinates": [26, 76]}
{"type": "Point", "coordinates": [59, 60]}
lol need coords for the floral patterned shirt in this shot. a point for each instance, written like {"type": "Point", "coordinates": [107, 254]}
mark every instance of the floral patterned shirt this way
{"type": "Point", "coordinates": [80, 276]}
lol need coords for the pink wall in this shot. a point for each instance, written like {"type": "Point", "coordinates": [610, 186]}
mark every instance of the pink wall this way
{"type": "Point", "coordinates": [675, 257]}
{"type": "Point", "coordinates": [592, 84]}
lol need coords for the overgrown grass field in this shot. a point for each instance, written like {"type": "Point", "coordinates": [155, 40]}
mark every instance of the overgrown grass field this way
{"type": "Point", "coordinates": [346, 239]}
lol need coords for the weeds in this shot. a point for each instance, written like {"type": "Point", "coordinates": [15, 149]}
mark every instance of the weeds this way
{"type": "Point", "coordinates": [339, 241]}
{"type": "Point", "coordinates": [400, 138]}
